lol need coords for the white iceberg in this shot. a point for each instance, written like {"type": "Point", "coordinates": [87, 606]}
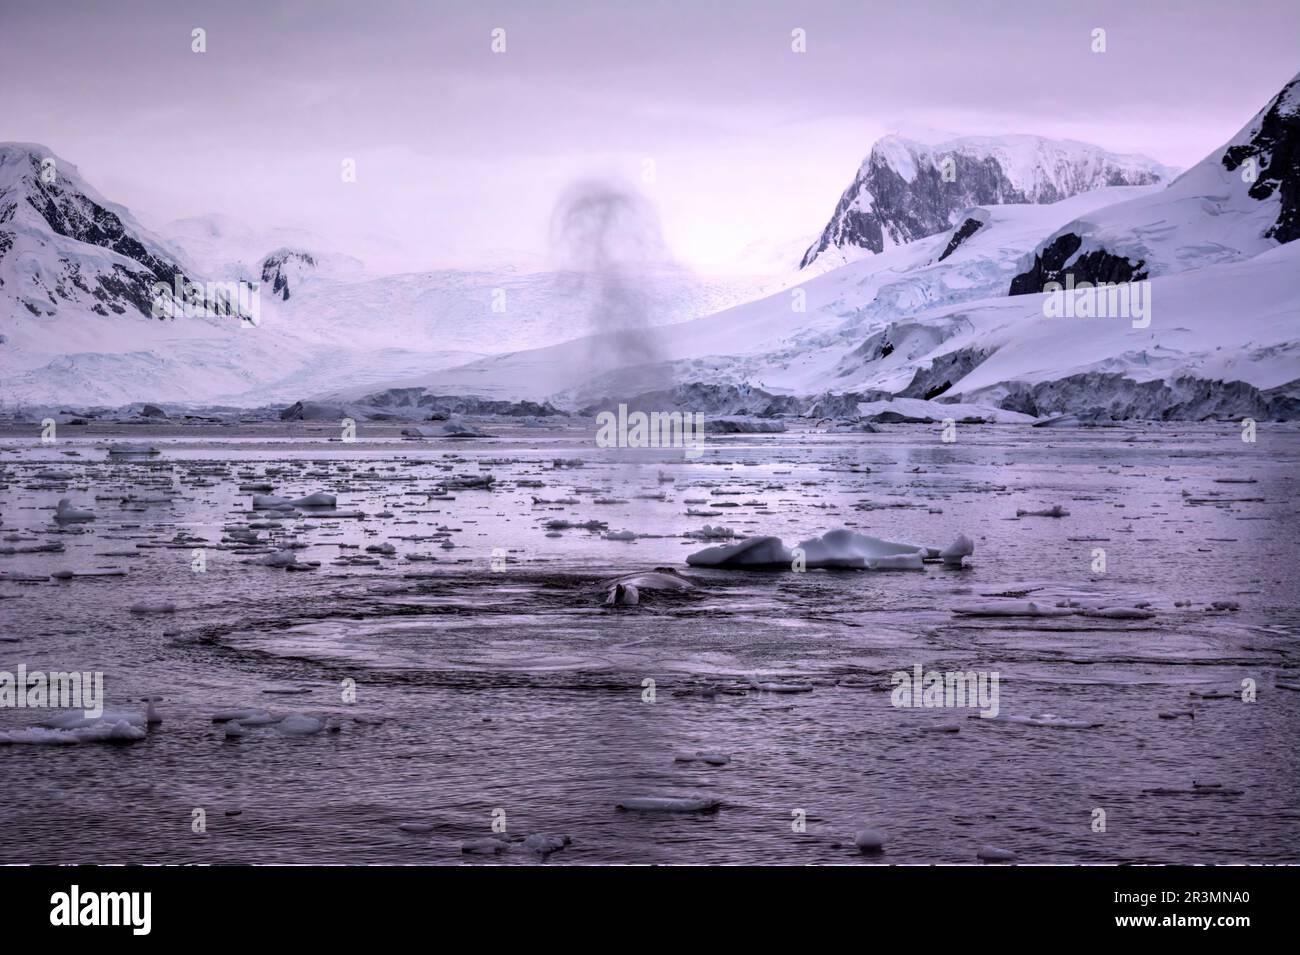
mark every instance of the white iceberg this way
{"type": "Point", "coordinates": [837, 549]}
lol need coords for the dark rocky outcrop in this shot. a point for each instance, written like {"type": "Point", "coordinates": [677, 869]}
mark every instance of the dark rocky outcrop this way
{"type": "Point", "coordinates": [960, 235]}
{"type": "Point", "coordinates": [70, 213]}
{"type": "Point", "coordinates": [943, 372]}
{"type": "Point", "coordinates": [1096, 267]}
{"type": "Point", "coordinates": [278, 268]}
{"type": "Point", "coordinates": [1275, 146]}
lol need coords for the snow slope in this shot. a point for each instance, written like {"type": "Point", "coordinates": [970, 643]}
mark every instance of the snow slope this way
{"type": "Point", "coordinates": [1241, 200]}
{"type": "Point", "coordinates": [932, 318]}
{"type": "Point", "coordinates": [78, 276]}
{"type": "Point", "coordinates": [957, 314]}
{"type": "Point", "coordinates": [768, 341]}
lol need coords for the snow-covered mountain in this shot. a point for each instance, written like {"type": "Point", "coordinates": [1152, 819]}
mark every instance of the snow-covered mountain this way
{"type": "Point", "coordinates": [65, 248]}
{"type": "Point", "coordinates": [907, 190]}
{"type": "Point", "coordinates": [950, 307]}
{"type": "Point", "coordinates": [79, 276]}
{"type": "Point", "coordinates": [933, 318]}
{"type": "Point", "coordinates": [1241, 200]}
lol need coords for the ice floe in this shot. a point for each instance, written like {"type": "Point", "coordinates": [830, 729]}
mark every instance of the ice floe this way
{"type": "Point", "coordinates": [1054, 511]}
{"type": "Point", "coordinates": [837, 549]}
{"type": "Point", "coordinates": [544, 845]}
{"type": "Point", "coordinates": [1011, 608]}
{"type": "Point", "coordinates": [78, 719]}
{"type": "Point", "coordinates": [298, 724]}
{"type": "Point", "coordinates": [65, 513]}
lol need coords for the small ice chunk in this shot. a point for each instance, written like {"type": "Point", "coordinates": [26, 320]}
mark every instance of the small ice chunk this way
{"type": "Point", "coordinates": [298, 724]}
{"type": "Point", "coordinates": [153, 606]}
{"type": "Point", "coordinates": [544, 844]}
{"type": "Point", "coordinates": [952, 555]}
{"type": "Point", "coordinates": [1011, 608]}
{"type": "Point", "coordinates": [1054, 511]}
{"type": "Point", "coordinates": [65, 513]}
{"type": "Point", "coordinates": [782, 687]}
{"type": "Point", "coordinates": [669, 804]}
{"type": "Point", "coordinates": [106, 731]}
{"type": "Point", "coordinates": [994, 854]}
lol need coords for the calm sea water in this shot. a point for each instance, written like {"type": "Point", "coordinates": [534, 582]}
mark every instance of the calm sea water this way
{"type": "Point", "coordinates": [484, 694]}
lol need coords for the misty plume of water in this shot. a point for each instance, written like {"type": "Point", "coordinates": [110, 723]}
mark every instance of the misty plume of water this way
{"type": "Point", "coordinates": [608, 238]}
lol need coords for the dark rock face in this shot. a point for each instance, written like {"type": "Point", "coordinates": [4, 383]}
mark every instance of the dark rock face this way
{"type": "Point", "coordinates": [1275, 147]}
{"type": "Point", "coordinates": [1102, 396]}
{"type": "Point", "coordinates": [910, 210]}
{"type": "Point", "coordinates": [70, 214]}
{"type": "Point", "coordinates": [881, 204]}
{"type": "Point", "coordinates": [1097, 267]}
{"type": "Point", "coordinates": [962, 233]}
{"type": "Point", "coordinates": [275, 270]}
{"type": "Point", "coordinates": [943, 371]}
{"type": "Point", "coordinates": [73, 215]}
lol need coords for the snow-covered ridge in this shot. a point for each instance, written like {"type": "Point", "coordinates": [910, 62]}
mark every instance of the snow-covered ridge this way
{"type": "Point", "coordinates": [1238, 202]}
{"type": "Point", "coordinates": [906, 190]}
{"type": "Point", "coordinates": [931, 319]}
{"type": "Point", "coordinates": [78, 277]}
{"type": "Point", "coordinates": [64, 246]}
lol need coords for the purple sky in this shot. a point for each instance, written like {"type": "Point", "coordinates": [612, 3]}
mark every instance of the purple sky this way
{"type": "Point", "coordinates": [461, 152]}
